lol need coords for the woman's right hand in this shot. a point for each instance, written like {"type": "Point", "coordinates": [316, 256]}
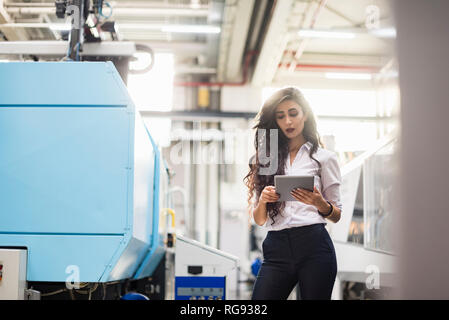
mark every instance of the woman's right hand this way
{"type": "Point", "coordinates": [269, 195]}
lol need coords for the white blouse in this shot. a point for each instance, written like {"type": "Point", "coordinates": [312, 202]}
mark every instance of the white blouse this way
{"type": "Point", "coordinates": [297, 213]}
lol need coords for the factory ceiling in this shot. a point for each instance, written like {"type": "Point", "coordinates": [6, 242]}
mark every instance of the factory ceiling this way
{"type": "Point", "coordinates": [234, 42]}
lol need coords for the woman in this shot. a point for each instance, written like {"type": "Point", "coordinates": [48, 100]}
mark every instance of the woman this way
{"type": "Point", "coordinates": [297, 249]}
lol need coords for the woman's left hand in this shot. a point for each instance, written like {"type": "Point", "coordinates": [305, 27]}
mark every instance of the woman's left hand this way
{"type": "Point", "coordinates": [312, 198]}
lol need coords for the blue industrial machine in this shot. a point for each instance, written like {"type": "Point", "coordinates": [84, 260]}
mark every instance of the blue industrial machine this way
{"type": "Point", "coordinates": [80, 176]}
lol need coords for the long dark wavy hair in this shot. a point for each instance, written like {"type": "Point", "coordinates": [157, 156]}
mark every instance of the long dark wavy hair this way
{"type": "Point", "coordinates": [266, 120]}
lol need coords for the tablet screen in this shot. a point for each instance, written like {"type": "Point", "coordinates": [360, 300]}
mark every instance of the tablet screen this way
{"type": "Point", "coordinates": [285, 184]}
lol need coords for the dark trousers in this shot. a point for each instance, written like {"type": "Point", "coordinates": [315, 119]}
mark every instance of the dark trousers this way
{"type": "Point", "coordinates": [301, 255]}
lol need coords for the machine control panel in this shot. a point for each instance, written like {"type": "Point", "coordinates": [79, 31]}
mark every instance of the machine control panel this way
{"type": "Point", "coordinates": [200, 288]}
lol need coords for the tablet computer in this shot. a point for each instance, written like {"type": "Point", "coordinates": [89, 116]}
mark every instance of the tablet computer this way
{"type": "Point", "coordinates": [285, 184]}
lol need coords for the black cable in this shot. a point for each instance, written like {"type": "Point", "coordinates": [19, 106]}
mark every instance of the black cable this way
{"type": "Point", "coordinates": [104, 291]}
{"type": "Point", "coordinates": [144, 48]}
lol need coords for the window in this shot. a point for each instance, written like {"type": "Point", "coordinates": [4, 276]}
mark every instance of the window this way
{"type": "Point", "coordinates": [153, 91]}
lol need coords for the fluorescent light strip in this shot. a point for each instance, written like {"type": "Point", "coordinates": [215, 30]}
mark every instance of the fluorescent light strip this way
{"type": "Point", "coordinates": [348, 34]}
{"type": "Point", "coordinates": [172, 28]}
{"type": "Point", "coordinates": [126, 26]}
{"type": "Point", "coordinates": [347, 75]}
{"type": "Point", "coordinates": [52, 26]}
{"type": "Point", "coordinates": [138, 26]}
{"type": "Point", "coordinates": [191, 29]}
{"type": "Point", "coordinates": [384, 33]}
{"type": "Point", "coordinates": [60, 27]}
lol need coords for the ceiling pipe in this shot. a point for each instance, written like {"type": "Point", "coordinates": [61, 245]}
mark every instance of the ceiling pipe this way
{"type": "Point", "coordinates": [248, 58]}
{"type": "Point", "coordinates": [325, 67]}
{"type": "Point", "coordinates": [303, 42]}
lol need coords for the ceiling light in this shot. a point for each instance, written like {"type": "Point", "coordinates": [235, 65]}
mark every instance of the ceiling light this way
{"type": "Point", "coordinates": [126, 26]}
{"type": "Point", "coordinates": [52, 26]}
{"type": "Point", "coordinates": [171, 28]}
{"type": "Point", "coordinates": [191, 29]}
{"type": "Point", "coordinates": [60, 27]}
{"type": "Point", "coordinates": [384, 33]}
{"type": "Point", "coordinates": [347, 33]}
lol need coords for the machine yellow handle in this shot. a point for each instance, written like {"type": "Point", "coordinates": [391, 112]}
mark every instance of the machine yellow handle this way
{"type": "Point", "coordinates": [170, 235]}
{"type": "Point", "coordinates": [171, 212]}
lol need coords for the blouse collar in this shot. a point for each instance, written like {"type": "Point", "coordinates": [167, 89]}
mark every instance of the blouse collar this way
{"type": "Point", "coordinates": [308, 145]}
